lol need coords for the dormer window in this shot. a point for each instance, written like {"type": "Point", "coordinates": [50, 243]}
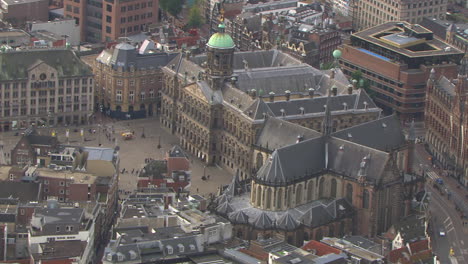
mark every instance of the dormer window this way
{"type": "Point", "coordinates": [181, 248]}
{"type": "Point", "coordinates": [170, 250]}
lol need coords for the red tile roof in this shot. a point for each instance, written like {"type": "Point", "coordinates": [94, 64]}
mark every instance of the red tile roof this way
{"type": "Point", "coordinates": [397, 254]}
{"type": "Point", "coordinates": [320, 248]}
{"type": "Point", "coordinates": [419, 246]}
{"type": "Point", "coordinates": [261, 255]}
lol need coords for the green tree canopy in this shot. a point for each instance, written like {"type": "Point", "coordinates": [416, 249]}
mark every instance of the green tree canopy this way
{"type": "Point", "coordinates": [173, 7]}
{"type": "Point", "coordinates": [195, 18]}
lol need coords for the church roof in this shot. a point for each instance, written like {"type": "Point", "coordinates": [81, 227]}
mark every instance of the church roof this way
{"type": "Point", "coordinates": [263, 221]}
{"type": "Point", "coordinates": [294, 162]}
{"type": "Point", "coordinates": [224, 208]}
{"type": "Point", "coordinates": [383, 134]}
{"type": "Point", "coordinates": [277, 133]}
{"type": "Point", "coordinates": [316, 216]}
{"type": "Point", "coordinates": [239, 217]}
{"type": "Point", "coordinates": [287, 222]}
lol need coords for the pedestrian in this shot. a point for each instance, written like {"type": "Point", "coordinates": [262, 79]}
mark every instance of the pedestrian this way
{"type": "Point", "coordinates": [133, 170]}
{"type": "Point", "coordinates": [208, 177]}
{"type": "Point", "coordinates": [197, 190]}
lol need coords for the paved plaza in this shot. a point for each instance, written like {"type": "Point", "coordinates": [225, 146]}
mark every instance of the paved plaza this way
{"type": "Point", "coordinates": [132, 152]}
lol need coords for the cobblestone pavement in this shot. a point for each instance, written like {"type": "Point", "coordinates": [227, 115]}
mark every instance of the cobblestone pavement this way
{"type": "Point", "coordinates": [132, 152]}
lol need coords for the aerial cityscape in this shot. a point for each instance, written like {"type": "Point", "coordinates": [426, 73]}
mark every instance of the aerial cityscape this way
{"type": "Point", "coordinates": [234, 131]}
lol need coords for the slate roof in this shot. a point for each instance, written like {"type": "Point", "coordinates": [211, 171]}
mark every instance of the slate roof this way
{"type": "Point", "coordinates": [446, 86]}
{"type": "Point", "coordinates": [317, 104]}
{"type": "Point", "coordinates": [16, 64]}
{"type": "Point", "coordinates": [411, 228]}
{"type": "Point", "coordinates": [287, 222]}
{"type": "Point", "coordinates": [125, 55]}
{"type": "Point", "coordinates": [277, 133]}
{"type": "Point", "coordinates": [383, 134]}
{"type": "Point", "coordinates": [35, 139]}
{"type": "Point", "coordinates": [24, 191]}
{"type": "Point", "coordinates": [258, 110]}
{"type": "Point", "coordinates": [239, 217]}
{"type": "Point", "coordinates": [296, 78]}
{"type": "Point", "coordinates": [264, 222]}
{"type": "Point", "coordinates": [316, 216]}
{"type": "Point", "coordinates": [224, 208]}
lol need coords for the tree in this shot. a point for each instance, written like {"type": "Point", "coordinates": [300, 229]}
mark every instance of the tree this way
{"type": "Point", "coordinates": [173, 7]}
{"type": "Point", "coordinates": [362, 82]}
{"type": "Point", "coordinates": [195, 19]}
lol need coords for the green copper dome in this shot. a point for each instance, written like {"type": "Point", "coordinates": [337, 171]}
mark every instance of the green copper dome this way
{"type": "Point", "coordinates": [221, 40]}
{"type": "Point", "coordinates": [337, 54]}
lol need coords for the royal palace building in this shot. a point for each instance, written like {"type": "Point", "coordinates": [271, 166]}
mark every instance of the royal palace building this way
{"type": "Point", "coordinates": [128, 80]}
{"type": "Point", "coordinates": [217, 103]}
{"type": "Point", "coordinates": [44, 87]}
{"type": "Point", "coordinates": [446, 121]}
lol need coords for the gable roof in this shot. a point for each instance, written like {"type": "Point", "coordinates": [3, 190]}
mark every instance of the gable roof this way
{"type": "Point", "coordinates": [258, 110]}
{"type": "Point", "coordinates": [383, 134]}
{"type": "Point", "coordinates": [287, 222]}
{"type": "Point", "coordinates": [277, 133]}
{"type": "Point", "coordinates": [263, 221]}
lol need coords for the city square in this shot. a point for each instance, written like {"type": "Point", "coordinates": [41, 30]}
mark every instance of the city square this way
{"type": "Point", "coordinates": [132, 152]}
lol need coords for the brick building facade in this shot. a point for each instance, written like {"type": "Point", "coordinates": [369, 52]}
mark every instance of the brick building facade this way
{"type": "Point", "coordinates": [395, 59]}
{"type": "Point", "coordinates": [109, 20]}
{"type": "Point", "coordinates": [446, 121]}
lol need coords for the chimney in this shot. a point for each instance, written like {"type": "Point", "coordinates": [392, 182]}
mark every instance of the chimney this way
{"type": "Point", "coordinates": [365, 105]}
{"type": "Point", "coordinates": [253, 93]}
{"type": "Point", "coordinates": [355, 83]}
{"type": "Point", "coordinates": [288, 95]}
{"type": "Point", "coordinates": [350, 89]}
{"type": "Point", "coordinates": [332, 74]}
{"type": "Point", "coordinates": [272, 96]}
{"type": "Point", "coordinates": [300, 138]}
{"type": "Point", "coordinates": [334, 91]}
{"type": "Point", "coordinates": [311, 92]}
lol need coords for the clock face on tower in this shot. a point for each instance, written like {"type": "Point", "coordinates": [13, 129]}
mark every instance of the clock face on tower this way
{"type": "Point", "coordinates": [43, 76]}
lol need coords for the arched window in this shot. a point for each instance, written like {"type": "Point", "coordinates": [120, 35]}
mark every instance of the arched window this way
{"type": "Point", "coordinates": [279, 199]}
{"type": "Point", "coordinates": [333, 188]}
{"type": "Point", "coordinates": [365, 199]}
{"type": "Point", "coordinates": [318, 234]}
{"type": "Point", "coordinates": [259, 196]}
{"type": "Point", "coordinates": [259, 160]}
{"type": "Point", "coordinates": [299, 194]}
{"type": "Point", "coordinates": [268, 198]}
{"type": "Point", "coordinates": [321, 183]}
{"type": "Point", "coordinates": [349, 193]}
{"type": "Point", "coordinates": [310, 191]}
{"type": "Point", "coordinates": [254, 195]}
{"type": "Point", "coordinates": [331, 230]}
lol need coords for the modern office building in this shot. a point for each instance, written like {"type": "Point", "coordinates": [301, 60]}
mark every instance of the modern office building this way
{"type": "Point", "coordinates": [371, 13]}
{"type": "Point", "coordinates": [44, 87]}
{"type": "Point", "coordinates": [108, 20]}
{"type": "Point", "coordinates": [395, 59]}
{"type": "Point", "coordinates": [18, 12]}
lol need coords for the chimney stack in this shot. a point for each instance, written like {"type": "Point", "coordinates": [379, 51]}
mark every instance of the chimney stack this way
{"type": "Point", "coordinates": [350, 89]}
{"type": "Point", "coordinates": [332, 74]}
{"type": "Point", "coordinates": [272, 96]}
{"type": "Point", "coordinates": [253, 93]}
{"type": "Point", "coordinates": [355, 82]}
{"type": "Point", "coordinates": [334, 90]}
{"type": "Point", "coordinates": [288, 95]}
{"type": "Point", "coordinates": [311, 92]}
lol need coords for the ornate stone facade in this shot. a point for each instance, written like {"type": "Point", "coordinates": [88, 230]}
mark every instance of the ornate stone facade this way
{"type": "Point", "coordinates": [53, 87]}
{"type": "Point", "coordinates": [128, 81]}
{"type": "Point", "coordinates": [446, 121]}
{"type": "Point", "coordinates": [217, 103]}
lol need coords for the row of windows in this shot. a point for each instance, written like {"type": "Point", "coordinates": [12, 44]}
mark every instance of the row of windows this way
{"type": "Point", "coordinates": [134, 18]}
{"type": "Point", "coordinates": [44, 93]}
{"type": "Point", "coordinates": [135, 7]}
